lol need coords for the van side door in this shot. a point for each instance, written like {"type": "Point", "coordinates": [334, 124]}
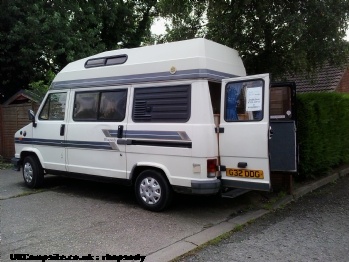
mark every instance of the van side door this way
{"type": "Point", "coordinates": [97, 121]}
{"type": "Point", "coordinates": [244, 133]}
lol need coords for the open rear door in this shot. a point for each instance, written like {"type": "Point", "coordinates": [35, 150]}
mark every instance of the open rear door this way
{"type": "Point", "coordinates": [244, 133]}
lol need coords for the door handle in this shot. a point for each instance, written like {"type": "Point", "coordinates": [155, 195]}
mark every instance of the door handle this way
{"type": "Point", "coordinates": [62, 130]}
{"type": "Point", "coordinates": [271, 132]}
{"type": "Point", "coordinates": [120, 131]}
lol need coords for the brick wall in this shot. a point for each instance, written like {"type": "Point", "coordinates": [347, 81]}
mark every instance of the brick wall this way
{"type": "Point", "coordinates": [344, 83]}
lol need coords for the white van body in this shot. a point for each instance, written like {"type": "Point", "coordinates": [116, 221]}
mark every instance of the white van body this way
{"type": "Point", "coordinates": [173, 119]}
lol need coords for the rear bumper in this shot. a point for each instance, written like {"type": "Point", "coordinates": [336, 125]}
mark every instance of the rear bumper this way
{"type": "Point", "coordinates": [16, 163]}
{"type": "Point", "coordinates": [199, 187]}
{"type": "Point", "coordinates": [246, 185]}
{"type": "Point", "coordinates": [205, 187]}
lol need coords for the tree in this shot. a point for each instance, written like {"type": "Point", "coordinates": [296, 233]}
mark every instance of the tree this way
{"type": "Point", "coordinates": [39, 88]}
{"type": "Point", "coordinates": [39, 36]}
{"type": "Point", "coordinates": [274, 36]}
{"type": "Point", "coordinates": [186, 19]}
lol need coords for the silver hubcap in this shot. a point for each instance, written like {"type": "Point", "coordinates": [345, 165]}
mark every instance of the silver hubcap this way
{"type": "Point", "coordinates": [28, 172]}
{"type": "Point", "coordinates": [150, 190]}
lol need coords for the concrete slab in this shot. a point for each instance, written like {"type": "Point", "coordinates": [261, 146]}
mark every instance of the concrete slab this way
{"type": "Point", "coordinates": [283, 201]}
{"type": "Point", "coordinates": [344, 172]}
{"type": "Point", "coordinates": [250, 216]}
{"type": "Point", "coordinates": [210, 233]}
{"type": "Point", "coordinates": [170, 252]}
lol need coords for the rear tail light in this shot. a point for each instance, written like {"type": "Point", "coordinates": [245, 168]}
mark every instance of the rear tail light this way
{"type": "Point", "coordinates": [212, 168]}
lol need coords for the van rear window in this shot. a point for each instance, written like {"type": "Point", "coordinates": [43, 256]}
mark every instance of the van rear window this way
{"type": "Point", "coordinates": [167, 104]}
{"type": "Point", "coordinates": [244, 101]}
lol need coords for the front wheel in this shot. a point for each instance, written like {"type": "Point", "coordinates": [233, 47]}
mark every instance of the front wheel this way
{"type": "Point", "coordinates": [33, 174]}
{"type": "Point", "coordinates": [153, 192]}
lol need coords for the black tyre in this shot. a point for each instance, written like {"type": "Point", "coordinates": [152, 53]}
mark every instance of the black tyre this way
{"type": "Point", "coordinates": [153, 192]}
{"type": "Point", "coordinates": [33, 174]}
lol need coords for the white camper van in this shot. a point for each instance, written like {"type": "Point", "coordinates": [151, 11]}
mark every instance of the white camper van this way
{"type": "Point", "coordinates": [179, 116]}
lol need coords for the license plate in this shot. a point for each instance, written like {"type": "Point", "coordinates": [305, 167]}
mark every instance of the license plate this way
{"type": "Point", "coordinates": [233, 172]}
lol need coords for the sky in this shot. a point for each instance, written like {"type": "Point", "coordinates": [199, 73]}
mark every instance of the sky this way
{"type": "Point", "coordinates": [158, 26]}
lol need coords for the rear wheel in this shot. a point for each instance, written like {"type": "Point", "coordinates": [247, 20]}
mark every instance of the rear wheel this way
{"type": "Point", "coordinates": [153, 192]}
{"type": "Point", "coordinates": [33, 174]}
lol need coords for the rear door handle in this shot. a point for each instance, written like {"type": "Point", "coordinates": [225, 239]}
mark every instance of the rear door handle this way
{"type": "Point", "coordinates": [61, 132]}
{"type": "Point", "coordinates": [271, 132]}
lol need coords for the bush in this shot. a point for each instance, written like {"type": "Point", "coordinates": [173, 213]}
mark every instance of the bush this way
{"type": "Point", "coordinates": [323, 132]}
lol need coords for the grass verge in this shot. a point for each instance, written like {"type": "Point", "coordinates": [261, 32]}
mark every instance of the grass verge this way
{"type": "Point", "coordinates": [214, 241]}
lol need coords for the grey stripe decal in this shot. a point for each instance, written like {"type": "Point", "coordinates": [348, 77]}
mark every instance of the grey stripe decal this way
{"type": "Point", "coordinates": [128, 79]}
{"type": "Point", "coordinates": [148, 138]}
{"type": "Point", "coordinates": [159, 135]}
{"type": "Point", "coordinates": [63, 143]}
{"type": "Point", "coordinates": [158, 143]}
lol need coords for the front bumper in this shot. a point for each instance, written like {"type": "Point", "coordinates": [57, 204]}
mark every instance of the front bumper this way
{"type": "Point", "coordinates": [16, 163]}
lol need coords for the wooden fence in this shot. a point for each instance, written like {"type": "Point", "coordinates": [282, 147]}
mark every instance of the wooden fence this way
{"type": "Point", "coordinates": [12, 118]}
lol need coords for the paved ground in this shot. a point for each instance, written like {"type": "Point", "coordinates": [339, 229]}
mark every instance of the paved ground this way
{"type": "Point", "coordinates": [75, 217]}
{"type": "Point", "coordinates": [315, 228]}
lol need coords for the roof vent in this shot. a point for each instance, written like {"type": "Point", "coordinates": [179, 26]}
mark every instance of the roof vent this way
{"type": "Point", "coordinates": [106, 61]}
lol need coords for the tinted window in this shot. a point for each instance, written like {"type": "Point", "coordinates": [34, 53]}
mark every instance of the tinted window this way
{"type": "Point", "coordinates": [85, 106]}
{"type": "Point", "coordinates": [112, 106]}
{"type": "Point", "coordinates": [100, 106]}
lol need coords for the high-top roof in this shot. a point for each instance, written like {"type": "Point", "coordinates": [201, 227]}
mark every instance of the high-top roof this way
{"type": "Point", "coordinates": [195, 58]}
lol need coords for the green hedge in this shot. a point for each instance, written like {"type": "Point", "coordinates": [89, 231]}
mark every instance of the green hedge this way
{"type": "Point", "coordinates": [323, 132]}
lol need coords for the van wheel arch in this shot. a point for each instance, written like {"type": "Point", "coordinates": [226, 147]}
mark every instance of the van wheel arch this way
{"type": "Point", "coordinates": [24, 154]}
{"type": "Point", "coordinates": [137, 170]}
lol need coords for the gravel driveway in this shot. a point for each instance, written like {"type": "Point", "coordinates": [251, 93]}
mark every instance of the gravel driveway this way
{"type": "Point", "coordinates": [315, 228]}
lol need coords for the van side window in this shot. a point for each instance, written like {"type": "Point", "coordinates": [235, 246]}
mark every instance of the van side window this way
{"type": "Point", "coordinates": [244, 101]}
{"type": "Point", "coordinates": [100, 106]}
{"type": "Point", "coordinates": [167, 104]}
{"type": "Point", "coordinates": [85, 106]}
{"type": "Point", "coordinates": [54, 107]}
{"type": "Point", "coordinates": [112, 106]}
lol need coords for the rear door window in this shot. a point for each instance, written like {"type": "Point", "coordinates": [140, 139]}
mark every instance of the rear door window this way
{"type": "Point", "coordinates": [244, 101]}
